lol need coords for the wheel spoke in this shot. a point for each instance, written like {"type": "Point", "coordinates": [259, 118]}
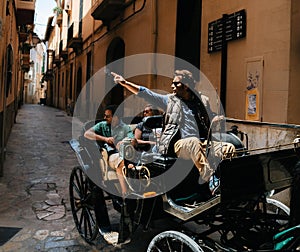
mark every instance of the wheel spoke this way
{"type": "Point", "coordinates": [157, 248]}
{"type": "Point", "coordinates": [79, 183]}
{"type": "Point", "coordinates": [82, 182]}
{"type": "Point", "coordinates": [90, 216]}
{"type": "Point", "coordinates": [89, 224]}
{"type": "Point", "coordinates": [75, 187]}
{"type": "Point", "coordinates": [168, 244]}
{"type": "Point", "coordinates": [81, 218]}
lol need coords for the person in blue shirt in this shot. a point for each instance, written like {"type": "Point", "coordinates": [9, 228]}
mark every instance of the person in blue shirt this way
{"type": "Point", "coordinates": [186, 121]}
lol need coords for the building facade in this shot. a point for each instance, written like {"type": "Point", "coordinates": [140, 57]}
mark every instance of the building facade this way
{"type": "Point", "coordinates": [16, 34]}
{"type": "Point", "coordinates": [254, 72]}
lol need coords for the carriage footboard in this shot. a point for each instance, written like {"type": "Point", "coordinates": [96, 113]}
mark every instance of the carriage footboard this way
{"type": "Point", "coordinates": [188, 212]}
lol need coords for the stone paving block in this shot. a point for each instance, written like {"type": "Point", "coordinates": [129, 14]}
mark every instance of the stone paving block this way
{"type": "Point", "coordinates": [43, 214]}
{"type": "Point", "coordinates": [55, 238]}
{"type": "Point", "coordinates": [39, 206]}
{"type": "Point", "coordinates": [59, 244]}
{"type": "Point", "coordinates": [58, 233]}
{"type": "Point", "coordinates": [54, 216]}
{"type": "Point", "coordinates": [51, 202]}
{"type": "Point", "coordinates": [41, 234]}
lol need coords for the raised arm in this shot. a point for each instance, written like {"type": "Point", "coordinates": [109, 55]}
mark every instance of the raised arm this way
{"type": "Point", "coordinates": [118, 79]}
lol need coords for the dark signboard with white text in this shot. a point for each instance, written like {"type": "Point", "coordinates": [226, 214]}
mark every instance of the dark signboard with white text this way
{"type": "Point", "coordinates": [235, 28]}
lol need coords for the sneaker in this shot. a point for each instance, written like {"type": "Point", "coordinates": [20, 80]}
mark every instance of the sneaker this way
{"type": "Point", "coordinates": [111, 237]}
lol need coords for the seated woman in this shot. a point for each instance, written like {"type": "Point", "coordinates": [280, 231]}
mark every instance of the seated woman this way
{"type": "Point", "coordinates": [144, 136]}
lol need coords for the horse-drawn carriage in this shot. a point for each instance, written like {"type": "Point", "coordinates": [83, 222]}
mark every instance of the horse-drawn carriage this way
{"type": "Point", "coordinates": [240, 210]}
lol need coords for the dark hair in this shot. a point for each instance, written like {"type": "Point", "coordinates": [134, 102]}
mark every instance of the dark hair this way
{"type": "Point", "coordinates": [187, 78]}
{"type": "Point", "coordinates": [112, 108]}
{"type": "Point", "coordinates": [154, 109]}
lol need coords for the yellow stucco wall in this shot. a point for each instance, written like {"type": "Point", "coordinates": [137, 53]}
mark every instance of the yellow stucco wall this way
{"type": "Point", "coordinates": [294, 85]}
{"type": "Point", "coordinates": [271, 45]}
{"type": "Point", "coordinates": [270, 29]}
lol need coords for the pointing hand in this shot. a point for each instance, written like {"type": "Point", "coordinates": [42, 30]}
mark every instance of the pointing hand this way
{"type": "Point", "coordinates": [118, 79]}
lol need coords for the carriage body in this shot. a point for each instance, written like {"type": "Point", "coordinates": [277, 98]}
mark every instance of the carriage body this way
{"type": "Point", "coordinates": [243, 181]}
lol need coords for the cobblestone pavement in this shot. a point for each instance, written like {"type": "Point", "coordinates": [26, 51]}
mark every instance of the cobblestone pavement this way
{"type": "Point", "coordinates": [34, 187]}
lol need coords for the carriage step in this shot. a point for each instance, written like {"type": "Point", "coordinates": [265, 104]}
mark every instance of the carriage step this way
{"type": "Point", "coordinates": [187, 212]}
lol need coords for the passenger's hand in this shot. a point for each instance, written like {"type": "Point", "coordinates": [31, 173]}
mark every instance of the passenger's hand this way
{"type": "Point", "coordinates": [134, 142]}
{"type": "Point", "coordinates": [217, 118]}
{"type": "Point", "coordinates": [228, 150]}
{"type": "Point", "coordinates": [110, 141]}
{"type": "Point", "coordinates": [118, 79]}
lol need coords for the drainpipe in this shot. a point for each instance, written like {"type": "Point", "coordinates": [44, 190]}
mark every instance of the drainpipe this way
{"type": "Point", "coordinates": [3, 119]}
{"type": "Point", "coordinates": [154, 30]}
{"type": "Point", "coordinates": [92, 69]}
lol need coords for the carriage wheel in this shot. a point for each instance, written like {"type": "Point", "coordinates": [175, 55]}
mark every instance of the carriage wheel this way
{"type": "Point", "coordinates": [280, 213]}
{"type": "Point", "coordinates": [170, 241]}
{"type": "Point", "coordinates": [276, 207]}
{"type": "Point", "coordinates": [82, 205]}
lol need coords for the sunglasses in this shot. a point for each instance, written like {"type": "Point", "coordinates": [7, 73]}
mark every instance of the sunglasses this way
{"type": "Point", "coordinates": [176, 83]}
{"type": "Point", "coordinates": [147, 111]}
{"type": "Point", "coordinates": [107, 116]}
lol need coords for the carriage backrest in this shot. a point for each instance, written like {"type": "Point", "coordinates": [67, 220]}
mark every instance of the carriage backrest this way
{"type": "Point", "coordinates": [153, 122]}
{"type": "Point", "coordinates": [90, 148]}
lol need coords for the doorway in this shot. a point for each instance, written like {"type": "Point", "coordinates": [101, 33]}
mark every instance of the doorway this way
{"type": "Point", "coordinates": [188, 31]}
{"type": "Point", "coordinates": [78, 82]}
{"type": "Point", "coordinates": [115, 51]}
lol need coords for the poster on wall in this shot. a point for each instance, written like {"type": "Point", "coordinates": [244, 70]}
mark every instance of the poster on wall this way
{"type": "Point", "coordinates": [252, 106]}
{"type": "Point", "coordinates": [254, 71]}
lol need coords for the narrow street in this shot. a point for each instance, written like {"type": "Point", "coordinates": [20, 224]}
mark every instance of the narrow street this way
{"type": "Point", "coordinates": [35, 212]}
{"type": "Point", "coordinates": [34, 188]}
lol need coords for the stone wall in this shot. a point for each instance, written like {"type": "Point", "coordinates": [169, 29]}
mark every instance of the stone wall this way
{"type": "Point", "coordinates": [263, 135]}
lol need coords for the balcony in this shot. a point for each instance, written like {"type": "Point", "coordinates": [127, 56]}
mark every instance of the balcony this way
{"type": "Point", "coordinates": [50, 56]}
{"type": "Point", "coordinates": [75, 36]}
{"type": "Point", "coordinates": [63, 51]}
{"type": "Point", "coordinates": [25, 48]}
{"type": "Point", "coordinates": [49, 28]}
{"type": "Point", "coordinates": [25, 11]}
{"type": "Point", "coordinates": [48, 76]}
{"type": "Point", "coordinates": [25, 62]}
{"type": "Point", "coordinates": [107, 10]}
{"type": "Point", "coordinates": [23, 36]}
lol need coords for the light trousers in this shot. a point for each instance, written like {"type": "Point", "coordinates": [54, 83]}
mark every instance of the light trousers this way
{"type": "Point", "coordinates": [191, 148]}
